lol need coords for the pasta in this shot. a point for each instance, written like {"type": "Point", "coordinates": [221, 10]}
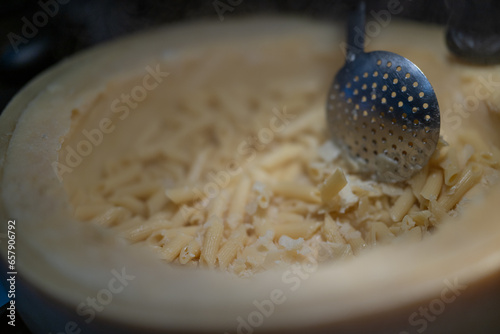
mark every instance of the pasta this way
{"type": "Point", "coordinates": [292, 190]}
{"type": "Point", "coordinates": [294, 229]}
{"type": "Point", "coordinates": [212, 240]}
{"type": "Point", "coordinates": [173, 248]}
{"type": "Point", "coordinates": [468, 178]}
{"type": "Point", "coordinates": [331, 231]}
{"type": "Point", "coordinates": [111, 216]}
{"type": "Point", "coordinates": [125, 176]}
{"type": "Point", "coordinates": [190, 252]}
{"type": "Point", "coordinates": [134, 205]}
{"type": "Point", "coordinates": [402, 205]}
{"type": "Point", "coordinates": [89, 211]}
{"type": "Point", "coordinates": [247, 190]}
{"type": "Point", "coordinates": [450, 167]}
{"type": "Point", "coordinates": [417, 182]}
{"type": "Point", "coordinates": [182, 194]}
{"type": "Point", "coordinates": [333, 185]}
{"type": "Point", "coordinates": [139, 190]}
{"type": "Point", "coordinates": [228, 252]}
{"type": "Point", "coordinates": [353, 237]}
{"type": "Point", "coordinates": [285, 154]}
{"type": "Point", "coordinates": [379, 233]}
{"type": "Point", "coordinates": [432, 186]}
{"type": "Point", "coordinates": [156, 202]}
{"type": "Point", "coordinates": [237, 208]}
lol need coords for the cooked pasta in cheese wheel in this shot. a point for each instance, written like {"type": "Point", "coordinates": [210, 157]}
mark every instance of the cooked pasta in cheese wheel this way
{"type": "Point", "coordinates": [234, 168]}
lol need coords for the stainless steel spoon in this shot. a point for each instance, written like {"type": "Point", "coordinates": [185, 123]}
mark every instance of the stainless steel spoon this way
{"type": "Point", "coordinates": [382, 111]}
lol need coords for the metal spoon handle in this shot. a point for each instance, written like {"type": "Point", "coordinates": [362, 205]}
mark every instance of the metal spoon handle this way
{"type": "Point", "coordinates": [356, 32]}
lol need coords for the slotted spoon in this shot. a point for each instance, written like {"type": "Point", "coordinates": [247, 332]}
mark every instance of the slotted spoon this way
{"type": "Point", "coordinates": [382, 111]}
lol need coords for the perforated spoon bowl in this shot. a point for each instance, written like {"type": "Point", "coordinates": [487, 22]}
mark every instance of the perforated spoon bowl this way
{"type": "Point", "coordinates": [381, 110]}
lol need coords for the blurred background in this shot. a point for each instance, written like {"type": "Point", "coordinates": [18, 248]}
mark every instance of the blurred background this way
{"type": "Point", "coordinates": [34, 34]}
{"type": "Point", "coordinates": [38, 33]}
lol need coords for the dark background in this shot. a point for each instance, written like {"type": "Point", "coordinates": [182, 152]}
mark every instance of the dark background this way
{"type": "Point", "coordinates": [79, 24]}
{"type": "Point", "coordinates": [474, 26]}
